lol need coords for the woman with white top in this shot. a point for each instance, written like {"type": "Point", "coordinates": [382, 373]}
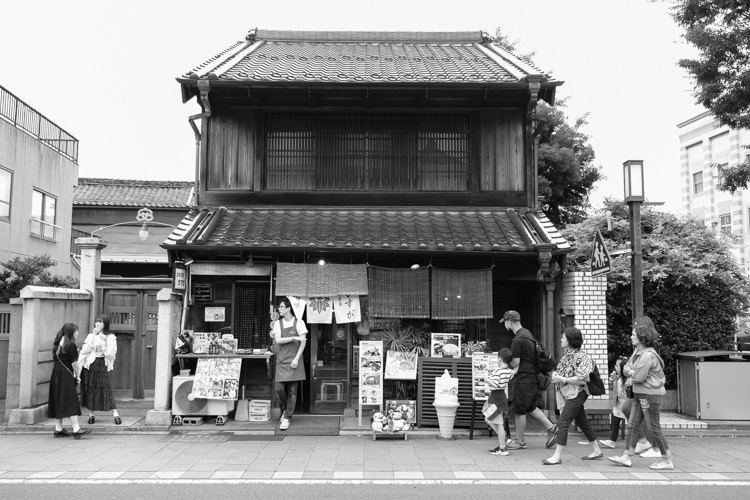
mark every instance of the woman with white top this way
{"type": "Point", "coordinates": [290, 334]}
{"type": "Point", "coordinates": [97, 358]}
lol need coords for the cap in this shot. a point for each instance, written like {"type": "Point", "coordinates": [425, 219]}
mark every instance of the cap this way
{"type": "Point", "coordinates": [512, 316]}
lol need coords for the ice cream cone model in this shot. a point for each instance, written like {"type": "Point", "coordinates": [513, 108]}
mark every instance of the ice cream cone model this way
{"type": "Point", "coordinates": [445, 403]}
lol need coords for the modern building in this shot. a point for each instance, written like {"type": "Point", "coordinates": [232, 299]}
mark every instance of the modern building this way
{"type": "Point", "coordinates": [705, 148]}
{"type": "Point", "coordinates": [38, 172]}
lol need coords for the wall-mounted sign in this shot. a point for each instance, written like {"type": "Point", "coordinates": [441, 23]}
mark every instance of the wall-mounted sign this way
{"type": "Point", "coordinates": [215, 314]}
{"type": "Point", "coordinates": [179, 278]}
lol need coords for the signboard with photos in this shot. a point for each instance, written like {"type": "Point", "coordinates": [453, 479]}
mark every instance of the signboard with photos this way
{"type": "Point", "coordinates": [445, 344]}
{"type": "Point", "coordinates": [217, 378]}
{"type": "Point", "coordinates": [401, 365]}
{"type": "Point", "coordinates": [482, 366]}
{"type": "Point", "coordinates": [370, 373]}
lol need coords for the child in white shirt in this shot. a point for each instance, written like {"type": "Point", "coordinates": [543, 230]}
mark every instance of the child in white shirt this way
{"type": "Point", "coordinates": [495, 409]}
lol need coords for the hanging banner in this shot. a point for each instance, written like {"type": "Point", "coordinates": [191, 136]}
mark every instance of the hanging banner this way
{"type": "Point", "coordinates": [319, 310]}
{"type": "Point", "coordinates": [298, 306]}
{"type": "Point", "coordinates": [347, 309]}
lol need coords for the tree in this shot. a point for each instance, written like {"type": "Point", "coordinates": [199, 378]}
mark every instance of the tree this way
{"type": "Point", "coordinates": [692, 287]}
{"type": "Point", "coordinates": [565, 165]}
{"type": "Point", "coordinates": [566, 172]}
{"type": "Point", "coordinates": [720, 30]}
{"type": "Point", "coordinates": [19, 272]}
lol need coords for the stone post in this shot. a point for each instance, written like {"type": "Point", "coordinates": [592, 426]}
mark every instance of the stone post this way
{"type": "Point", "coordinates": [170, 311]}
{"type": "Point", "coordinates": [91, 269]}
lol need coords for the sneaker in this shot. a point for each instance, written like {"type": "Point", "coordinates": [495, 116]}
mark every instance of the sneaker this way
{"type": "Point", "coordinates": [499, 451]}
{"type": "Point", "coordinates": [493, 450]}
{"type": "Point", "coordinates": [551, 437]}
{"type": "Point", "coordinates": [651, 453]}
{"type": "Point", "coordinates": [641, 447]}
{"type": "Point", "coordinates": [517, 445]}
{"type": "Point", "coordinates": [607, 443]}
{"type": "Point", "coordinates": [663, 465]}
{"type": "Point", "coordinates": [507, 441]}
{"type": "Point", "coordinates": [285, 423]}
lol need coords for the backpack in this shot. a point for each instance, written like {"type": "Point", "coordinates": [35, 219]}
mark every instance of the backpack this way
{"type": "Point", "coordinates": [544, 362]}
{"type": "Point", "coordinates": [595, 383]}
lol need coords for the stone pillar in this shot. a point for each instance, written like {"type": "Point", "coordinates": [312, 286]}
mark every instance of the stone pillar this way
{"type": "Point", "coordinates": [170, 311]}
{"type": "Point", "coordinates": [91, 269]}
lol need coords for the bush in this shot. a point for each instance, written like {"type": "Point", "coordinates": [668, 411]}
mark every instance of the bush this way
{"type": "Point", "coordinates": [20, 272]}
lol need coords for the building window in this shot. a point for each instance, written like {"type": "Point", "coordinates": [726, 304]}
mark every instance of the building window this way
{"type": "Point", "coordinates": [43, 215]}
{"type": "Point", "coordinates": [6, 182]}
{"type": "Point", "coordinates": [360, 152]}
{"type": "Point", "coordinates": [725, 223]}
{"type": "Point", "coordinates": [697, 182]}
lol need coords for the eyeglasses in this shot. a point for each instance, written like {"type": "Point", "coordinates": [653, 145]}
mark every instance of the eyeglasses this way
{"type": "Point", "coordinates": [283, 307]}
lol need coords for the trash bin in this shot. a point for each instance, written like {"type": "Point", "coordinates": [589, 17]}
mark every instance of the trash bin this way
{"type": "Point", "coordinates": [743, 342]}
{"type": "Point", "coordinates": [712, 385]}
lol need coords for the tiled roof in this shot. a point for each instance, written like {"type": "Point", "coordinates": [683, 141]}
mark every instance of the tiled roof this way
{"type": "Point", "coordinates": [365, 57]}
{"type": "Point", "coordinates": [132, 193]}
{"type": "Point", "coordinates": [434, 230]}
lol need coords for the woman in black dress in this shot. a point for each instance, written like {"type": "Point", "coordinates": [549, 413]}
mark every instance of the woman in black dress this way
{"type": "Point", "coordinates": [63, 397]}
{"type": "Point", "coordinates": [97, 358]}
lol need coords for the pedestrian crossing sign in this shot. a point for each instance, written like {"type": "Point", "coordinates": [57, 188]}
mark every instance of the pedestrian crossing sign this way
{"type": "Point", "coordinates": [600, 260]}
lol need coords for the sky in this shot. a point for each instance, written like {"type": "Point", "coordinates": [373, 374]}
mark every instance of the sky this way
{"type": "Point", "coordinates": [105, 71]}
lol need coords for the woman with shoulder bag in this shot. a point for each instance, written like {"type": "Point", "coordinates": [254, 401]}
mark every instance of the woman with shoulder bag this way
{"type": "Point", "coordinates": [63, 397]}
{"type": "Point", "coordinates": [646, 370]}
{"type": "Point", "coordinates": [97, 358]}
{"type": "Point", "coordinates": [571, 391]}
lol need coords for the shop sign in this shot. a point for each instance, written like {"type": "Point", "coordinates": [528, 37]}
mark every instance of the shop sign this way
{"type": "Point", "coordinates": [215, 314]}
{"type": "Point", "coordinates": [179, 278]}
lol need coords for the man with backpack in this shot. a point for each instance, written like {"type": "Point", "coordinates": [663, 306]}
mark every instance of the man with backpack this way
{"type": "Point", "coordinates": [525, 382]}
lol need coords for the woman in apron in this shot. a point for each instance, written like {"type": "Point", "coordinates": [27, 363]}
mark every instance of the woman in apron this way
{"type": "Point", "coordinates": [290, 335]}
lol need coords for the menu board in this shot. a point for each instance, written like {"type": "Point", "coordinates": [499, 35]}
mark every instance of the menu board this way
{"type": "Point", "coordinates": [401, 365]}
{"type": "Point", "coordinates": [482, 366]}
{"type": "Point", "coordinates": [370, 372]}
{"type": "Point", "coordinates": [217, 378]}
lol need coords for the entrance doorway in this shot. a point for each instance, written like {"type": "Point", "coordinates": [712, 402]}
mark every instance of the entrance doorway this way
{"type": "Point", "coordinates": [327, 364]}
{"type": "Point", "coordinates": [134, 319]}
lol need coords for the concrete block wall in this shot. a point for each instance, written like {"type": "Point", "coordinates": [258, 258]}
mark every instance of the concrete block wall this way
{"type": "Point", "coordinates": [586, 296]}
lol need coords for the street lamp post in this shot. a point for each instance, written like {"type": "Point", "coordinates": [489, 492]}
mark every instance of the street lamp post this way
{"type": "Point", "coordinates": [634, 197]}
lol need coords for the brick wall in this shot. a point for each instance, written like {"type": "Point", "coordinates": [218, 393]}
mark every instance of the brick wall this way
{"type": "Point", "coordinates": [586, 297]}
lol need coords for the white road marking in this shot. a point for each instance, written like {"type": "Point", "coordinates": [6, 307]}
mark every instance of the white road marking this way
{"type": "Point", "coordinates": [607, 482]}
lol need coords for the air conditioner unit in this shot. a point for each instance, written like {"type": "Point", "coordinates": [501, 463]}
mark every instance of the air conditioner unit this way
{"type": "Point", "coordinates": [183, 406]}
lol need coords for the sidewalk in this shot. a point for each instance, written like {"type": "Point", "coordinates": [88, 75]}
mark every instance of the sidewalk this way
{"type": "Point", "coordinates": [177, 456]}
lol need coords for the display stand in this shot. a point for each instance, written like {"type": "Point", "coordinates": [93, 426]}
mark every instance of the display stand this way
{"type": "Point", "coordinates": [370, 375]}
{"type": "Point", "coordinates": [482, 366]}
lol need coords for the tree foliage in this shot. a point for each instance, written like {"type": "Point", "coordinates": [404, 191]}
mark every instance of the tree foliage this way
{"type": "Point", "coordinates": [720, 30]}
{"type": "Point", "coordinates": [692, 287]}
{"type": "Point", "coordinates": [19, 272]}
{"type": "Point", "coordinates": [565, 165]}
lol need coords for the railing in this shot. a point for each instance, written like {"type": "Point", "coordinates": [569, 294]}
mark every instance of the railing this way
{"type": "Point", "coordinates": [36, 124]}
{"type": "Point", "coordinates": [45, 230]}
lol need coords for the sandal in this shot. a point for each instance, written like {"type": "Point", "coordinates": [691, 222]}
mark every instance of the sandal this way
{"type": "Point", "coordinates": [118, 420]}
{"type": "Point", "coordinates": [547, 462]}
{"type": "Point", "coordinates": [92, 419]}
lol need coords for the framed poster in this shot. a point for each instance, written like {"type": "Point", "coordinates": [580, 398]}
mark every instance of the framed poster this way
{"type": "Point", "coordinates": [400, 365]}
{"type": "Point", "coordinates": [482, 366]}
{"type": "Point", "coordinates": [217, 378]}
{"type": "Point", "coordinates": [445, 344]}
{"type": "Point", "coordinates": [214, 314]}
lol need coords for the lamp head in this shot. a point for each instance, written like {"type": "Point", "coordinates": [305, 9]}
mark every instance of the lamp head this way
{"type": "Point", "coordinates": [632, 171]}
{"type": "Point", "coordinates": [143, 233]}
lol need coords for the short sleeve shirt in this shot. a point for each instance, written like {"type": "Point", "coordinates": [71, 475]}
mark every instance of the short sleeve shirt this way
{"type": "Point", "coordinates": [524, 348]}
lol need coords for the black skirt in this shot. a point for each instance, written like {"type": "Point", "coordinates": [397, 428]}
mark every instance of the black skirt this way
{"type": "Point", "coordinates": [96, 392]}
{"type": "Point", "coordinates": [63, 396]}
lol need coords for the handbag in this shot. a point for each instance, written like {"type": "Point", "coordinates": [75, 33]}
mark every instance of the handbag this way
{"type": "Point", "coordinates": [543, 380]}
{"type": "Point", "coordinates": [629, 392]}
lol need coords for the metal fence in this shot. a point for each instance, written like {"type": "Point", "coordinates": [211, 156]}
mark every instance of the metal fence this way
{"type": "Point", "coordinates": [36, 124]}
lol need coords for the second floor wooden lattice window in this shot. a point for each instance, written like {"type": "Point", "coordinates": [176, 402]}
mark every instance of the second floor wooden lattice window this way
{"type": "Point", "coordinates": [367, 152]}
